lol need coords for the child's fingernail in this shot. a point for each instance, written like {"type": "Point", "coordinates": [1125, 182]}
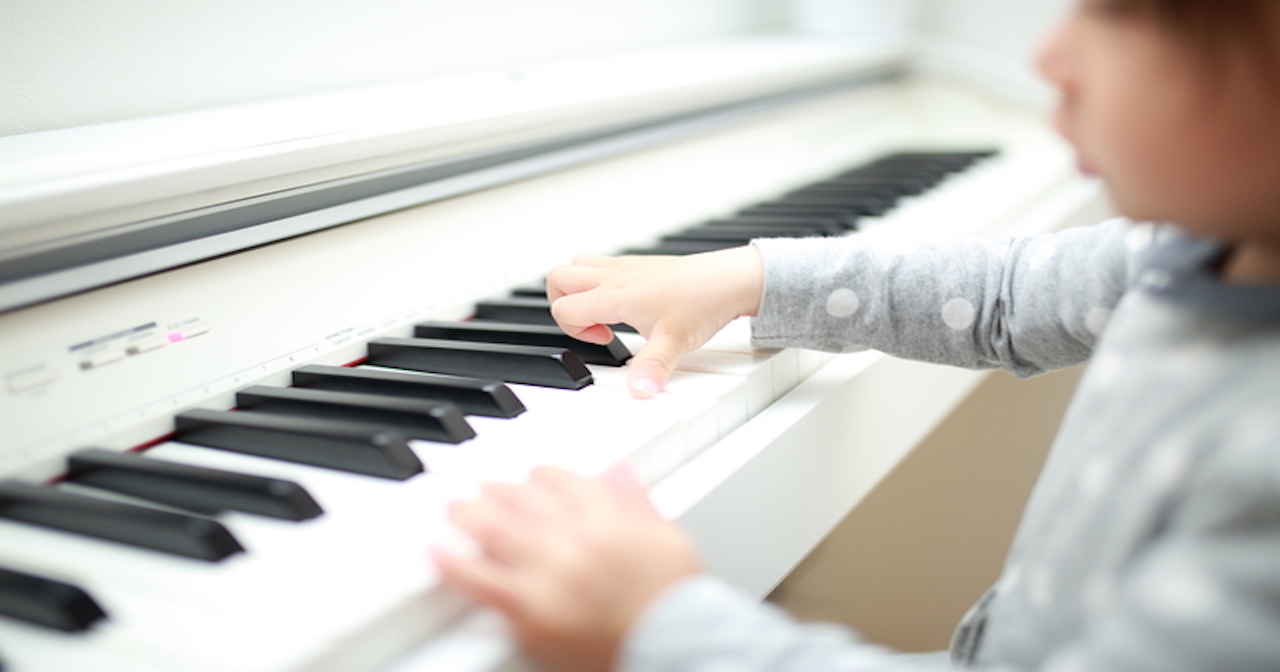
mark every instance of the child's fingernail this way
{"type": "Point", "coordinates": [646, 387]}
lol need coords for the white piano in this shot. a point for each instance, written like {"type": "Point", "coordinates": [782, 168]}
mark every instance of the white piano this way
{"type": "Point", "coordinates": [757, 453]}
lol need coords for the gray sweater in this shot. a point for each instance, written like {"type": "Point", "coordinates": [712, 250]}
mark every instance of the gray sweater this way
{"type": "Point", "coordinates": [1152, 539]}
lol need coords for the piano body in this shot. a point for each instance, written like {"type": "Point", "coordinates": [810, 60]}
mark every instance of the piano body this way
{"type": "Point", "coordinates": [757, 453]}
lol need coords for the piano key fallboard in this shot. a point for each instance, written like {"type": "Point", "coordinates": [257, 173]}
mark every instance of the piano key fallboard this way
{"type": "Point", "coordinates": [279, 517]}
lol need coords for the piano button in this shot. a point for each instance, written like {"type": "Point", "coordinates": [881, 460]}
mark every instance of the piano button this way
{"type": "Point", "coordinates": [193, 330]}
{"type": "Point", "coordinates": [174, 533]}
{"type": "Point", "coordinates": [427, 419]}
{"type": "Point", "coordinates": [98, 360]}
{"type": "Point", "coordinates": [146, 345]}
{"type": "Point", "coordinates": [45, 602]}
{"type": "Point", "coordinates": [30, 378]}
{"type": "Point", "coordinates": [473, 396]}
{"type": "Point", "coordinates": [519, 310]}
{"type": "Point", "coordinates": [612, 354]}
{"type": "Point", "coordinates": [361, 448]}
{"type": "Point", "coordinates": [528, 364]}
{"type": "Point", "coordinates": [205, 491]}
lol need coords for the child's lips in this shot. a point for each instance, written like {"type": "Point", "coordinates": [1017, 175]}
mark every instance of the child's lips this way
{"type": "Point", "coordinates": [1062, 124]}
{"type": "Point", "coordinates": [1083, 165]}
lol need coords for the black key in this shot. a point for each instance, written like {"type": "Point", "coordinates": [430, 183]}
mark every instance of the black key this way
{"type": "Point", "coordinates": [848, 217]}
{"type": "Point", "coordinates": [890, 170]}
{"type": "Point", "coordinates": [682, 247]}
{"type": "Point", "coordinates": [867, 205]}
{"type": "Point", "coordinates": [743, 234]}
{"type": "Point", "coordinates": [522, 310]}
{"type": "Point", "coordinates": [475, 397]}
{"type": "Point", "coordinates": [355, 447]}
{"type": "Point", "coordinates": [527, 364]}
{"type": "Point", "coordinates": [928, 178]}
{"type": "Point", "coordinates": [139, 526]}
{"type": "Point", "coordinates": [951, 160]}
{"type": "Point", "coordinates": [207, 491]}
{"type": "Point", "coordinates": [905, 186]}
{"type": "Point", "coordinates": [518, 310]}
{"type": "Point", "coordinates": [613, 354]}
{"type": "Point", "coordinates": [427, 419]}
{"type": "Point", "coordinates": [48, 603]}
{"type": "Point", "coordinates": [828, 226]}
{"type": "Point", "coordinates": [538, 291]}
{"type": "Point", "coordinates": [853, 192]}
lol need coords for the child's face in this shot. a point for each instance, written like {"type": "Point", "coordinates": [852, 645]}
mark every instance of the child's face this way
{"type": "Point", "coordinates": [1175, 136]}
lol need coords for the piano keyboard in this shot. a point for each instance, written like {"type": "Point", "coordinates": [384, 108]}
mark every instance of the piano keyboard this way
{"type": "Point", "coordinates": [291, 533]}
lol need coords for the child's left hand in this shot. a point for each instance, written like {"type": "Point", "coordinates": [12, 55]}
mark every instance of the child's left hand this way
{"type": "Point", "coordinates": [572, 562]}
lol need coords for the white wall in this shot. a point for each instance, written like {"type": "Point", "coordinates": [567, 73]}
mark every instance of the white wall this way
{"type": "Point", "coordinates": [75, 62]}
{"type": "Point", "coordinates": [992, 42]}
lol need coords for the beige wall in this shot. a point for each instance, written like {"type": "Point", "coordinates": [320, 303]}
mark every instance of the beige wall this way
{"type": "Point", "coordinates": [907, 563]}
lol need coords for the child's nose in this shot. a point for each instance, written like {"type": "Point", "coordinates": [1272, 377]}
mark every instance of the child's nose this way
{"type": "Point", "coordinates": [1053, 60]}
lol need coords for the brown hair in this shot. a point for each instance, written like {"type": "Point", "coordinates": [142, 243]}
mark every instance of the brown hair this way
{"type": "Point", "coordinates": [1221, 26]}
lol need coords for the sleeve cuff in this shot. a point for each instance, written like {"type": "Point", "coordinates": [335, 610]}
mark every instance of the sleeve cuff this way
{"type": "Point", "coordinates": [704, 621]}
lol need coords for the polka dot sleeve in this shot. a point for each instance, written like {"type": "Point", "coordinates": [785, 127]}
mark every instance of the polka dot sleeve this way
{"type": "Point", "coordinates": [1028, 305]}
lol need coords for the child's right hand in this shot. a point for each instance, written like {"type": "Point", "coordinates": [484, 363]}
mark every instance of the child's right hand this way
{"type": "Point", "coordinates": [677, 303]}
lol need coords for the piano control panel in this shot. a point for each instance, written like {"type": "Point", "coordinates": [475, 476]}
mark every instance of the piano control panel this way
{"type": "Point", "coordinates": [311, 417]}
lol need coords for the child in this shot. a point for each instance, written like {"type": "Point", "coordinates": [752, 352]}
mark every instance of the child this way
{"type": "Point", "coordinates": [1152, 541]}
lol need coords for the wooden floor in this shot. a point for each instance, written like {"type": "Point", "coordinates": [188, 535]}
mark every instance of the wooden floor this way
{"type": "Point", "coordinates": [906, 564]}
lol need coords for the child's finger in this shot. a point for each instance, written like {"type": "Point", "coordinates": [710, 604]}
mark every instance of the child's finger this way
{"type": "Point", "coordinates": [519, 502]}
{"type": "Point", "coordinates": [566, 486]}
{"type": "Point", "coordinates": [500, 537]}
{"type": "Point", "coordinates": [483, 582]}
{"type": "Point", "coordinates": [621, 481]}
{"type": "Point", "coordinates": [565, 280]}
{"type": "Point", "coordinates": [649, 369]}
{"type": "Point", "coordinates": [596, 260]}
{"type": "Point", "coordinates": [585, 316]}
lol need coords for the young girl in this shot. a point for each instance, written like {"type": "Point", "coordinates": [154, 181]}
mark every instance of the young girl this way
{"type": "Point", "coordinates": [1152, 541]}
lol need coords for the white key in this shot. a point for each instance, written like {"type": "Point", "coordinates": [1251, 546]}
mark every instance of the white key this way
{"type": "Point", "coordinates": [299, 581]}
{"type": "Point", "coordinates": [589, 430]}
